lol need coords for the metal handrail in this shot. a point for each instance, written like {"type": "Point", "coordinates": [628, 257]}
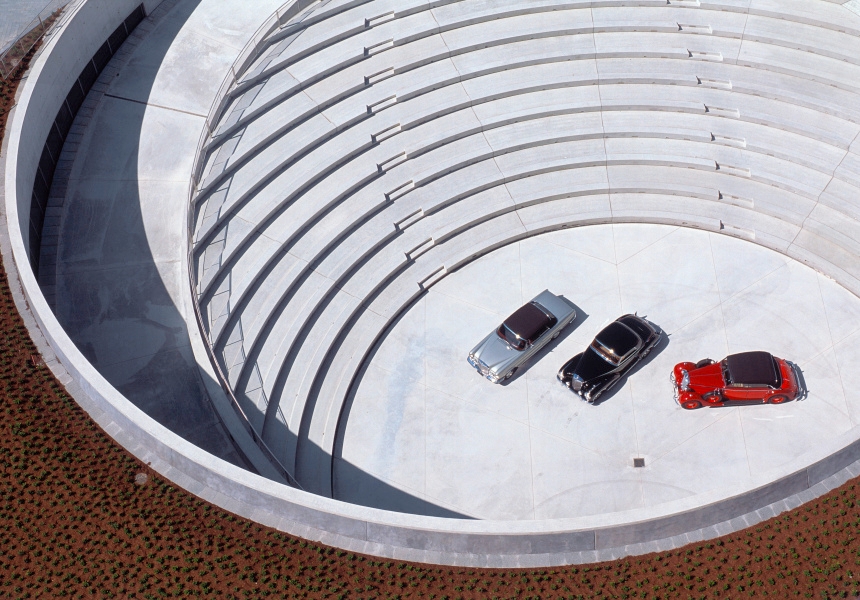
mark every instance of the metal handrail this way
{"type": "Point", "coordinates": [17, 49]}
{"type": "Point", "coordinates": [252, 50]}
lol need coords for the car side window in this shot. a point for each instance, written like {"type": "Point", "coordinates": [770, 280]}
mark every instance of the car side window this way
{"type": "Point", "coordinates": [540, 333]}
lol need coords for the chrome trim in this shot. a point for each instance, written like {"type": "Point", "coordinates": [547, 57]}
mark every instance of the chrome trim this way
{"type": "Point", "coordinates": [477, 364]}
{"type": "Point", "coordinates": [802, 391]}
{"type": "Point", "coordinates": [675, 393]}
{"type": "Point", "coordinates": [549, 314]}
{"type": "Point", "coordinates": [482, 369]}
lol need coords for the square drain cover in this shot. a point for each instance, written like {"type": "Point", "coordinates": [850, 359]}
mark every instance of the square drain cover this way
{"type": "Point", "coordinates": [638, 462]}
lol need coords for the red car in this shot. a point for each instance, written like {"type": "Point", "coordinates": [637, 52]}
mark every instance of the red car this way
{"type": "Point", "coordinates": [745, 378]}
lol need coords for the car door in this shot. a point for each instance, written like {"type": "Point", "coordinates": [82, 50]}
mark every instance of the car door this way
{"type": "Point", "coordinates": [539, 342]}
{"type": "Point", "coordinates": [743, 394]}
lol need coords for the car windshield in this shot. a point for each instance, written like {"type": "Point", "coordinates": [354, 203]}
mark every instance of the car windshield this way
{"type": "Point", "coordinates": [513, 340]}
{"type": "Point", "coordinates": [606, 353]}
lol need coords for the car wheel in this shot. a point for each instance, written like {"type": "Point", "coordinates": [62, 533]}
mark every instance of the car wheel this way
{"type": "Point", "coordinates": [778, 399]}
{"type": "Point", "coordinates": [692, 404]}
{"type": "Point", "coordinates": [704, 363]}
{"type": "Point", "coordinates": [510, 373]}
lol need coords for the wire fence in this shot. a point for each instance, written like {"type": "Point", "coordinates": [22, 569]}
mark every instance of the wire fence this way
{"type": "Point", "coordinates": [17, 49]}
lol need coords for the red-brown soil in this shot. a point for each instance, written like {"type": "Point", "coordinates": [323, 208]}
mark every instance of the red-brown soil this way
{"type": "Point", "coordinates": [80, 517]}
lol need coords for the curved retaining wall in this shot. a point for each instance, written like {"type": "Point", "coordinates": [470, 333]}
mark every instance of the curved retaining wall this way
{"type": "Point", "coordinates": [329, 521]}
{"type": "Point", "coordinates": [77, 37]}
{"type": "Point", "coordinates": [68, 110]}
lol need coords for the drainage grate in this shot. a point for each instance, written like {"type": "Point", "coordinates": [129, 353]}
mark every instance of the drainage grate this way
{"type": "Point", "coordinates": [638, 462]}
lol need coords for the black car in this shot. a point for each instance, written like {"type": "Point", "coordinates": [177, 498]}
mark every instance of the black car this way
{"type": "Point", "coordinates": [614, 351]}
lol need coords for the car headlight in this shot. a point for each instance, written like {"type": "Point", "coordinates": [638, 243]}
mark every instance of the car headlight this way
{"type": "Point", "coordinates": [685, 381]}
{"type": "Point", "coordinates": [576, 382]}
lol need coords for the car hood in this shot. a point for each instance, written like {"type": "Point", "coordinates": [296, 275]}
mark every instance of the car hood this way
{"type": "Point", "coordinates": [591, 366]}
{"type": "Point", "coordinates": [705, 379]}
{"type": "Point", "coordinates": [495, 353]}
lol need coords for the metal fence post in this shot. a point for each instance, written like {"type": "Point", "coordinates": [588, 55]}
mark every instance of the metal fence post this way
{"type": "Point", "coordinates": [18, 48]}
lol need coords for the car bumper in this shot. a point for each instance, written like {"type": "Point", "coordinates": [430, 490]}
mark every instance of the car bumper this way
{"type": "Point", "coordinates": [799, 392]}
{"type": "Point", "coordinates": [483, 370]}
{"type": "Point", "coordinates": [570, 388]}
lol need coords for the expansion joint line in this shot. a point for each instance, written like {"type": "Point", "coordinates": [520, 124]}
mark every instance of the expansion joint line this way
{"type": "Point", "coordinates": [480, 123]}
{"type": "Point", "coordinates": [833, 346]}
{"type": "Point", "coordinates": [743, 33]}
{"type": "Point", "coordinates": [179, 110]}
{"type": "Point", "coordinates": [823, 189]}
{"type": "Point", "coordinates": [602, 125]}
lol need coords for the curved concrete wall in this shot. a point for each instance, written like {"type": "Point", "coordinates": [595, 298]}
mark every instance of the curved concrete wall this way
{"type": "Point", "coordinates": [81, 30]}
{"type": "Point", "coordinates": [315, 517]}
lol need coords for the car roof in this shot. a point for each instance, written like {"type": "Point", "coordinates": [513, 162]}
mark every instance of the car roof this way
{"type": "Point", "coordinates": [618, 338]}
{"type": "Point", "coordinates": [528, 321]}
{"type": "Point", "coordinates": [753, 368]}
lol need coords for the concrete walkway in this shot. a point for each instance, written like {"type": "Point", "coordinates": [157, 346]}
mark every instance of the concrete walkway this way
{"type": "Point", "coordinates": [425, 423]}
{"type": "Point", "coordinates": [122, 284]}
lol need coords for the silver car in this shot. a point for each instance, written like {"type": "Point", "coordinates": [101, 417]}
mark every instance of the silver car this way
{"type": "Point", "coordinates": [501, 353]}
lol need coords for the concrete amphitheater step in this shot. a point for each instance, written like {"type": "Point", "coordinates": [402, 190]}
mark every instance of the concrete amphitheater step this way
{"type": "Point", "coordinates": [260, 131]}
{"type": "Point", "coordinates": [489, 29]}
{"type": "Point", "coordinates": [736, 137]}
{"type": "Point", "coordinates": [747, 114]}
{"type": "Point", "coordinates": [781, 21]}
{"type": "Point", "coordinates": [265, 248]}
{"type": "Point", "coordinates": [276, 354]}
{"type": "Point", "coordinates": [389, 262]}
{"type": "Point", "coordinates": [368, 105]}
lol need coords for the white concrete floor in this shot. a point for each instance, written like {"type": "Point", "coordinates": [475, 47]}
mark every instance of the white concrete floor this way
{"type": "Point", "coordinates": [426, 434]}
